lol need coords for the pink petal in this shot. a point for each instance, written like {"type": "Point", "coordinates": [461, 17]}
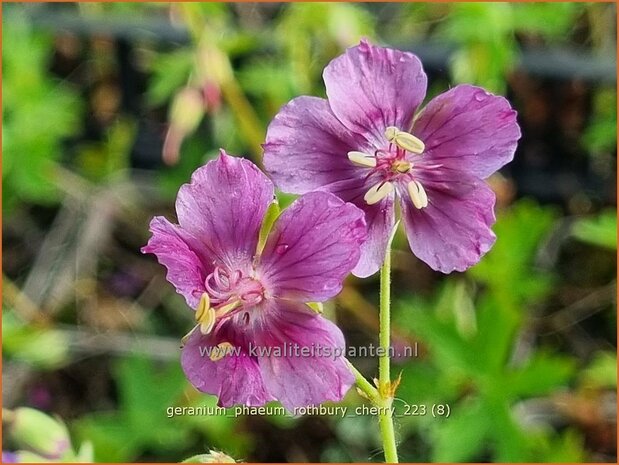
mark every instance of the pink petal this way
{"type": "Point", "coordinates": [370, 88]}
{"type": "Point", "coordinates": [468, 129]}
{"type": "Point", "coordinates": [224, 205]}
{"type": "Point", "coordinates": [380, 219]}
{"type": "Point", "coordinates": [453, 231]}
{"type": "Point", "coordinates": [306, 147]}
{"type": "Point", "coordinates": [234, 379]}
{"type": "Point", "coordinates": [181, 254]}
{"type": "Point", "coordinates": [304, 378]}
{"type": "Point", "coordinates": [314, 244]}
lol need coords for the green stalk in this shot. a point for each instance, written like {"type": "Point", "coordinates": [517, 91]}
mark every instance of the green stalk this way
{"type": "Point", "coordinates": [385, 419]}
{"type": "Point", "coordinates": [364, 385]}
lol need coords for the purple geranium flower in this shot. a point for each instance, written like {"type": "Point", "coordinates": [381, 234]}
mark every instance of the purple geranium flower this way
{"type": "Point", "coordinates": [247, 297]}
{"type": "Point", "coordinates": [367, 145]}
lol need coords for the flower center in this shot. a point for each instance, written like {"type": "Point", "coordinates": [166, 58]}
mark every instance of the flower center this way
{"type": "Point", "coordinates": [225, 287]}
{"type": "Point", "coordinates": [227, 293]}
{"type": "Point", "coordinates": [391, 164]}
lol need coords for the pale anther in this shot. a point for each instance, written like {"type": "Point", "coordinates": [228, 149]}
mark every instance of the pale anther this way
{"type": "Point", "coordinates": [378, 193]}
{"type": "Point", "coordinates": [203, 306]}
{"type": "Point", "coordinates": [404, 140]}
{"type": "Point", "coordinates": [417, 194]}
{"type": "Point", "coordinates": [207, 322]}
{"type": "Point", "coordinates": [220, 351]}
{"type": "Point", "coordinates": [362, 159]}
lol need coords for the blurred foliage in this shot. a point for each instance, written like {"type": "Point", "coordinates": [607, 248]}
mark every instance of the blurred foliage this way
{"type": "Point", "coordinates": [39, 112]}
{"type": "Point", "coordinates": [601, 134]}
{"type": "Point", "coordinates": [41, 438]}
{"type": "Point", "coordinates": [471, 337]}
{"type": "Point", "coordinates": [486, 36]}
{"type": "Point", "coordinates": [601, 230]}
{"type": "Point", "coordinates": [140, 424]}
{"type": "Point", "coordinates": [40, 346]}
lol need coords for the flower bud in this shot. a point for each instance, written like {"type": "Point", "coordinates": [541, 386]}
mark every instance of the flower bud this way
{"type": "Point", "coordinates": [212, 457]}
{"type": "Point", "coordinates": [187, 110]}
{"type": "Point", "coordinates": [39, 432]}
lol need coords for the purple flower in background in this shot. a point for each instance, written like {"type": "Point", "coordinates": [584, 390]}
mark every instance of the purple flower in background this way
{"type": "Point", "coordinates": [368, 145]}
{"type": "Point", "coordinates": [9, 457]}
{"type": "Point", "coordinates": [248, 298]}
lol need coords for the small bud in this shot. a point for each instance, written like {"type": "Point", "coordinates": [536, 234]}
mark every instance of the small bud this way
{"type": "Point", "coordinates": [213, 65]}
{"type": "Point", "coordinates": [363, 394]}
{"type": "Point", "coordinates": [212, 457]}
{"type": "Point", "coordinates": [39, 432]}
{"type": "Point", "coordinates": [187, 110]}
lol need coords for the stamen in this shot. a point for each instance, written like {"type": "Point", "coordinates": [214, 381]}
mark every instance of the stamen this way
{"type": "Point", "coordinates": [185, 338]}
{"type": "Point", "coordinates": [205, 315]}
{"type": "Point", "coordinates": [378, 192]}
{"type": "Point", "coordinates": [404, 140]}
{"type": "Point", "coordinates": [417, 194]}
{"type": "Point", "coordinates": [203, 306]}
{"type": "Point", "coordinates": [362, 159]}
{"type": "Point", "coordinates": [220, 351]}
{"type": "Point", "coordinates": [207, 323]}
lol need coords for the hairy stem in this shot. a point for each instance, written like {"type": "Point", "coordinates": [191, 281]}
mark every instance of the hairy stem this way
{"type": "Point", "coordinates": [385, 419]}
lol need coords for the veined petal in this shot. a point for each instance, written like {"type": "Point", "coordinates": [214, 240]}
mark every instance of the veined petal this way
{"type": "Point", "coordinates": [370, 88]}
{"type": "Point", "coordinates": [181, 254]}
{"type": "Point", "coordinates": [306, 147]}
{"type": "Point", "coordinates": [468, 129]}
{"type": "Point", "coordinates": [453, 231]}
{"type": "Point", "coordinates": [234, 377]}
{"type": "Point", "coordinates": [224, 205]}
{"type": "Point", "coordinates": [379, 217]}
{"type": "Point", "coordinates": [314, 244]}
{"type": "Point", "coordinates": [313, 369]}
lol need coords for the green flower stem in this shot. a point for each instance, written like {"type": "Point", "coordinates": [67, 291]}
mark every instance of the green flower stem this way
{"type": "Point", "coordinates": [385, 419]}
{"type": "Point", "coordinates": [364, 385]}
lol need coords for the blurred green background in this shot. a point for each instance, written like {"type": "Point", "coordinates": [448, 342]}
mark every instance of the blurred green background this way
{"type": "Point", "coordinates": [108, 108]}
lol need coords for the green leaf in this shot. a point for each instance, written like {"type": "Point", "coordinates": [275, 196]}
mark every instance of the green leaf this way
{"type": "Point", "coordinates": [446, 344]}
{"type": "Point", "coordinates": [566, 448]}
{"type": "Point", "coordinates": [601, 372]}
{"type": "Point", "coordinates": [170, 71]}
{"type": "Point", "coordinates": [600, 230]}
{"type": "Point", "coordinates": [541, 374]}
{"type": "Point", "coordinates": [140, 423]}
{"type": "Point", "coordinates": [508, 268]}
{"type": "Point", "coordinates": [41, 347]}
{"type": "Point", "coordinates": [460, 438]}
{"type": "Point", "coordinates": [497, 327]}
